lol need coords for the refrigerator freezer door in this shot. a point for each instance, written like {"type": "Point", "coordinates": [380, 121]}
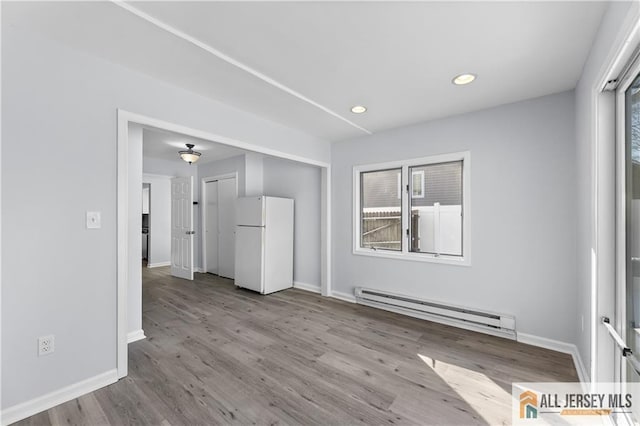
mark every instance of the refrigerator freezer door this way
{"type": "Point", "coordinates": [250, 211]}
{"type": "Point", "coordinates": [249, 258]}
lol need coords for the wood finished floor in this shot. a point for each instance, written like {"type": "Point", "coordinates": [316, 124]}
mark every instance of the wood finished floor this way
{"type": "Point", "coordinates": [215, 354]}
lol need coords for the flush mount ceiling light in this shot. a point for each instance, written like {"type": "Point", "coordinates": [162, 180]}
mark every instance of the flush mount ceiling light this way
{"type": "Point", "coordinates": [462, 79]}
{"type": "Point", "coordinates": [358, 109]}
{"type": "Point", "coordinates": [190, 156]}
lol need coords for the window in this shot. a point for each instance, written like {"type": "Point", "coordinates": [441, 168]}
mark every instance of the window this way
{"type": "Point", "coordinates": [381, 210]}
{"type": "Point", "coordinates": [436, 219]}
{"type": "Point", "coordinates": [416, 209]}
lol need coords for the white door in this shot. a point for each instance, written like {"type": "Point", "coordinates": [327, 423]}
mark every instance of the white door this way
{"type": "Point", "coordinates": [249, 257]}
{"type": "Point", "coordinates": [226, 227]}
{"type": "Point", "coordinates": [182, 227]}
{"type": "Point", "coordinates": [211, 227]}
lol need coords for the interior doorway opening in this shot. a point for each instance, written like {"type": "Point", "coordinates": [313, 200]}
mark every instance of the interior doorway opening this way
{"type": "Point", "coordinates": [130, 171]}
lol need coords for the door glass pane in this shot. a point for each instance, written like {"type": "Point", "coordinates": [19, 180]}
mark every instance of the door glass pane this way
{"type": "Point", "coordinates": [381, 210]}
{"type": "Point", "coordinates": [632, 171]}
{"type": "Point", "coordinates": [436, 208]}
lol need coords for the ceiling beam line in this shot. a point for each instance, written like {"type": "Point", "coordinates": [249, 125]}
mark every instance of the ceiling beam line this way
{"type": "Point", "coordinates": [186, 37]}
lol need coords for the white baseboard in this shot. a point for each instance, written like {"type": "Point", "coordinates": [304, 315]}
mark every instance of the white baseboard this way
{"type": "Point", "coordinates": [199, 270]}
{"type": "Point", "coordinates": [134, 336]}
{"type": "Point", "coordinates": [583, 373]}
{"type": "Point", "coordinates": [530, 339]}
{"type": "Point", "coordinates": [343, 296]}
{"type": "Point", "coordinates": [50, 400]}
{"type": "Point", "coordinates": [159, 264]}
{"type": "Point", "coordinates": [556, 345]}
{"type": "Point", "coordinates": [308, 287]}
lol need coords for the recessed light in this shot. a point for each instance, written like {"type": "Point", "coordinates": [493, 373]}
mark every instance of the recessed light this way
{"type": "Point", "coordinates": [358, 109]}
{"type": "Point", "coordinates": [463, 79]}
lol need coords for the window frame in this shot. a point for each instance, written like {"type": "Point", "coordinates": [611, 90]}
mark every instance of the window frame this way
{"type": "Point", "coordinates": [405, 253]}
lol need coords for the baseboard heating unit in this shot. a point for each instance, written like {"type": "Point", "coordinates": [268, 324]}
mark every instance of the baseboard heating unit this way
{"type": "Point", "coordinates": [472, 319]}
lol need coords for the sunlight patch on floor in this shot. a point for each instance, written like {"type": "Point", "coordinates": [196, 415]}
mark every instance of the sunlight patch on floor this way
{"type": "Point", "coordinates": [482, 394]}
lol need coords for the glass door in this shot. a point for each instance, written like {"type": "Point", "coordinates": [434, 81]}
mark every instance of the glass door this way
{"type": "Point", "coordinates": [629, 241]}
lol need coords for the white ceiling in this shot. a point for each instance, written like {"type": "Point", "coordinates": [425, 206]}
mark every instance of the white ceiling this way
{"type": "Point", "coordinates": [304, 64]}
{"type": "Point", "coordinates": [165, 145]}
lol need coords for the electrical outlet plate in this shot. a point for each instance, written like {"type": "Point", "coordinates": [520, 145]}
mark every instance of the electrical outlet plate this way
{"type": "Point", "coordinates": [46, 345]}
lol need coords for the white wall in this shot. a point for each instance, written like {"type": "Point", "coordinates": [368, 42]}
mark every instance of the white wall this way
{"type": "Point", "coordinates": [224, 167]}
{"type": "Point", "coordinates": [254, 171]}
{"type": "Point", "coordinates": [178, 168]}
{"type": "Point", "coordinates": [523, 214]}
{"type": "Point", "coordinates": [59, 102]}
{"type": "Point", "coordinates": [159, 219]}
{"type": "Point", "coordinates": [608, 40]}
{"type": "Point", "coordinates": [288, 179]}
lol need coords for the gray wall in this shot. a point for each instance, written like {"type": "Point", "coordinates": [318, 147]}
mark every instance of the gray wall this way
{"type": "Point", "coordinates": [224, 167]}
{"type": "Point", "coordinates": [601, 51]}
{"type": "Point", "coordinates": [288, 179]}
{"type": "Point", "coordinates": [254, 174]}
{"type": "Point", "coordinates": [523, 214]}
{"type": "Point", "coordinates": [59, 102]}
{"type": "Point", "coordinates": [177, 168]}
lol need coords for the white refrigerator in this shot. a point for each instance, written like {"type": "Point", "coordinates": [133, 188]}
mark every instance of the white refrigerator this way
{"type": "Point", "coordinates": [264, 244]}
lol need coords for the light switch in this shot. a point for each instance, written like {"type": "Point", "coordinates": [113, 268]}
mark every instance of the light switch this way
{"type": "Point", "coordinates": [93, 220]}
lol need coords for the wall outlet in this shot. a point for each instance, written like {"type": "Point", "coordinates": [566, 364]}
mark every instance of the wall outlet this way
{"type": "Point", "coordinates": [46, 345]}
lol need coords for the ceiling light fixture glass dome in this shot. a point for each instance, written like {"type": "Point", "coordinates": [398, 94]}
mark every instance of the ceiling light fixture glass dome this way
{"type": "Point", "coordinates": [189, 155]}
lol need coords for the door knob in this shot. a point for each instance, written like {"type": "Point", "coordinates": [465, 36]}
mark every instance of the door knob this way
{"type": "Point", "coordinates": [190, 232]}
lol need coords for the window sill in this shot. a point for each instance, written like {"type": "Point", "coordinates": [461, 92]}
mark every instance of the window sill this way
{"type": "Point", "coordinates": [414, 257]}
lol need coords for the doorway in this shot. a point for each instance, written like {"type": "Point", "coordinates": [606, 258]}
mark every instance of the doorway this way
{"type": "Point", "coordinates": [218, 224]}
{"type": "Point", "coordinates": [627, 365]}
{"type": "Point", "coordinates": [129, 172]}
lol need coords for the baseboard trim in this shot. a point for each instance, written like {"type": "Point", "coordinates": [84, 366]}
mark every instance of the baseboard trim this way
{"type": "Point", "coordinates": [308, 287]}
{"type": "Point", "coordinates": [134, 336]}
{"type": "Point", "coordinates": [343, 296]}
{"type": "Point", "coordinates": [583, 374]}
{"type": "Point", "coordinates": [529, 339]}
{"type": "Point", "coordinates": [199, 270]}
{"type": "Point", "coordinates": [158, 265]}
{"type": "Point", "coordinates": [556, 345]}
{"type": "Point", "coordinates": [50, 400]}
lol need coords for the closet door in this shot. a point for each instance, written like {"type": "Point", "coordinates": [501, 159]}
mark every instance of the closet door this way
{"type": "Point", "coordinates": [227, 195]}
{"type": "Point", "coordinates": [211, 227]}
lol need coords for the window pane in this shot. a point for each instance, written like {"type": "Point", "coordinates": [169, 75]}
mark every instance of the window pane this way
{"type": "Point", "coordinates": [436, 216]}
{"type": "Point", "coordinates": [632, 213]}
{"type": "Point", "coordinates": [381, 210]}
